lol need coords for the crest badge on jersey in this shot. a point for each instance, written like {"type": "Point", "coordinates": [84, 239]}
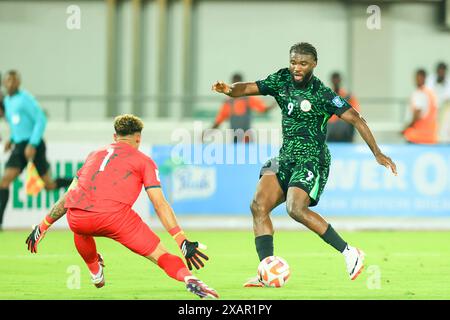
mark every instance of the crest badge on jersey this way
{"type": "Point", "coordinates": [305, 105]}
{"type": "Point", "coordinates": [338, 102]}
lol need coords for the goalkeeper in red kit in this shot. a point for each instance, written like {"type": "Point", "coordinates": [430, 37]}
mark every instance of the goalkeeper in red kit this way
{"type": "Point", "coordinates": [99, 204]}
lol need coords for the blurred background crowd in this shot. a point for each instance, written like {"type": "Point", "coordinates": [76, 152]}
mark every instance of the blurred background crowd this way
{"type": "Point", "coordinates": [87, 61]}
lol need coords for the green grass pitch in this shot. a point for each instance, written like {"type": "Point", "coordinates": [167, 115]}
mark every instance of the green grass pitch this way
{"type": "Point", "coordinates": [399, 265]}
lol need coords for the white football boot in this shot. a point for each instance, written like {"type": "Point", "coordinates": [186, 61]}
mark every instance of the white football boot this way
{"type": "Point", "coordinates": [354, 258]}
{"type": "Point", "coordinates": [98, 280]}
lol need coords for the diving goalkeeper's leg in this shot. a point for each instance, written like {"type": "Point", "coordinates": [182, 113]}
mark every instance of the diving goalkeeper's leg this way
{"type": "Point", "coordinates": [137, 236]}
{"type": "Point", "coordinates": [175, 268]}
{"type": "Point", "coordinates": [88, 251]}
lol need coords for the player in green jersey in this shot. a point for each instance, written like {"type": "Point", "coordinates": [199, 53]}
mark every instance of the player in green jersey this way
{"type": "Point", "coordinates": [299, 174]}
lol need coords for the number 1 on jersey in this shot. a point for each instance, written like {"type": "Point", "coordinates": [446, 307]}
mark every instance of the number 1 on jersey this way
{"type": "Point", "coordinates": [105, 161]}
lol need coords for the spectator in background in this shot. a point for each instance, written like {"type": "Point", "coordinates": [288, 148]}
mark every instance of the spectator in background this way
{"type": "Point", "coordinates": [423, 127]}
{"type": "Point", "coordinates": [338, 130]}
{"type": "Point", "coordinates": [239, 111]}
{"type": "Point", "coordinates": [27, 123]}
{"type": "Point", "coordinates": [440, 84]}
{"type": "Point", "coordinates": [2, 107]}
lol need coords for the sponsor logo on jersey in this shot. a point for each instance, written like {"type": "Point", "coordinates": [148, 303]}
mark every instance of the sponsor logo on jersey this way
{"type": "Point", "coordinates": [305, 105]}
{"type": "Point", "coordinates": [338, 102]}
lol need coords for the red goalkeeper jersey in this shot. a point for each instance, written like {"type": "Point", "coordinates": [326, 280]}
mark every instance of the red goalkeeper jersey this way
{"type": "Point", "coordinates": [112, 178]}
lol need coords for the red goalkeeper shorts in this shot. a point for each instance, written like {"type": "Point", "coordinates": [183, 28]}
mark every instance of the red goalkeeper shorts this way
{"type": "Point", "coordinates": [126, 227]}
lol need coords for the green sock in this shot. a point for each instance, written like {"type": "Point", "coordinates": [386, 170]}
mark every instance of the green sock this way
{"type": "Point", "coordinates": [332, 238]}
{"type": "Point", "coordinates": [264, 246]}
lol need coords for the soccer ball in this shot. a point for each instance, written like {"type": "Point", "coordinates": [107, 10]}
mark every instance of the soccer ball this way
{"type": "Point", "coordinates": [274, 271]}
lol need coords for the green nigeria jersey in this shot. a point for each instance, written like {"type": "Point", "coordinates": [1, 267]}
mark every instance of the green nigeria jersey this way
{"type": "Point", "coordinates": [305, 112]}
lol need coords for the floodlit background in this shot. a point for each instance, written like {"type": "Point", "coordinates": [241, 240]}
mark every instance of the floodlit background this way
{"type": "Point", "coordinates": [158, 59]}
{"type": "Point", "coordinates": [88, 61]}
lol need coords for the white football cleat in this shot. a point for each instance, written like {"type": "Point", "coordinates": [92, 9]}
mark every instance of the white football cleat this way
{"type": "Point", "coordinates": [99, 279]}
{"type": "Point", "coordinates": [354, 258]}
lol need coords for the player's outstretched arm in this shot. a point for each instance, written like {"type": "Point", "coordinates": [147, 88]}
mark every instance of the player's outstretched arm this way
{"type": "Point", "coordinates": [56, 212]}
{"type": "Point", "coordinates": [165, 213]}
{"type": "Point", "coordinates": [353, 117]}
{"type": "Point", "coordinates": [237, 89]}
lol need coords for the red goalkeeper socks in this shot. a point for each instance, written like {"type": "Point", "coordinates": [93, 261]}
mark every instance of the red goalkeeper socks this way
{"type": "Point", "coordinates": [88, 251]}
{"type": "Point", "coordinates": [173, 266]}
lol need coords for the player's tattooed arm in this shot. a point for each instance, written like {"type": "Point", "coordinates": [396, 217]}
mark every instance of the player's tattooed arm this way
{"type": "Point", "coordinates": [237, 89]}
{"type": "Point", "coordinates": [353, 117]}
{"type": "Point", "coordinates": [58, 210]}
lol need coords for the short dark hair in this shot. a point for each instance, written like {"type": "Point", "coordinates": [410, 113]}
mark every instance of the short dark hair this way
{"type": "Point", "coordinates": [13, 73]}
{"type": "Point", "coordinates": [335, 75]}
{"type": "Point", "coordinates": [304, 48]}
{"type": "Point", "coordinates": [421, 72]}
{"type": "Point", "coordinates": [441, 65]}
{"type": "Point", "coordinates": [237, 77]}
{"type": "Point", "coordinates": [127, 124]}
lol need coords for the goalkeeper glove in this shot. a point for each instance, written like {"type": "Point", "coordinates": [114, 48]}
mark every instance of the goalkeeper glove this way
{"type": "Point", "coordinates": [192, 254]}
{"type": "Point", "coordinates": [190, 250]}
{"type": "Point", "coordinates": [38, 234]}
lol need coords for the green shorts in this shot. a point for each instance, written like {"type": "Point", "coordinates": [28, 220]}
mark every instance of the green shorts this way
{"type": "Point", "coordinates": [310, 175]}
